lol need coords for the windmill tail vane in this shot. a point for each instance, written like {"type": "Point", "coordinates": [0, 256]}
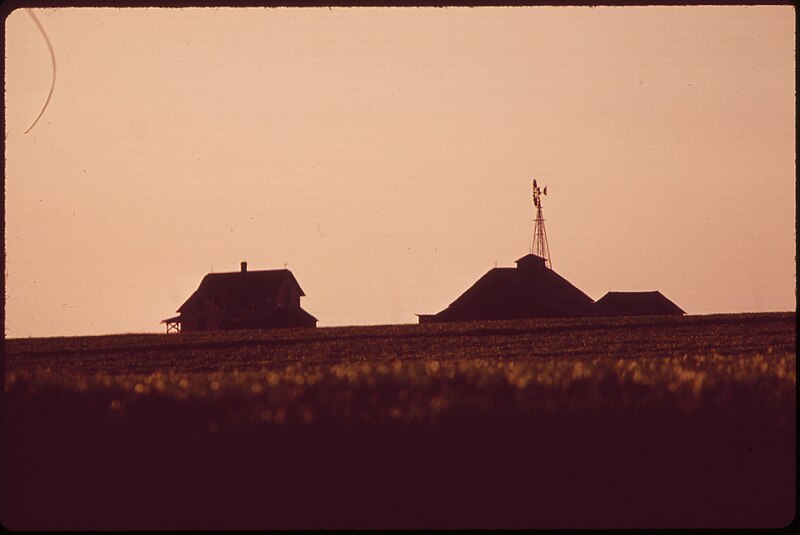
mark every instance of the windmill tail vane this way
{"type": "Point", "coordinates": [539, 246]}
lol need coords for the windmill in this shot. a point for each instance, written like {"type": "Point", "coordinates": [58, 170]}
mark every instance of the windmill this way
{"type": "Point", "coordinates": [539, 247]}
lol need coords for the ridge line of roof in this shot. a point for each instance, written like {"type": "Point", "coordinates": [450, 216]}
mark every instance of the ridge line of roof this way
{"type": "Point", "coordinates": [249, 271]}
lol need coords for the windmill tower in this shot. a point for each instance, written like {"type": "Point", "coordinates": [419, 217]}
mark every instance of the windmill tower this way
{"type": "Point", "coordinates": [539, 247]}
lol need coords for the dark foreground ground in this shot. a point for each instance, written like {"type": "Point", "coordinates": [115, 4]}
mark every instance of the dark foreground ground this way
{"type": "Point", "coordinates": [600, 423]}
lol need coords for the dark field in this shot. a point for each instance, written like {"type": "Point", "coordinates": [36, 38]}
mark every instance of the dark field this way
{"type": "Point", "coordinates": [660, 422]}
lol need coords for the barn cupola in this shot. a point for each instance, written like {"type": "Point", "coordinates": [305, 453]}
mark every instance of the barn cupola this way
{"type": "Point", "coordinates": [531, 262]}
{"type": "Point", "coordinates": [244, 267]}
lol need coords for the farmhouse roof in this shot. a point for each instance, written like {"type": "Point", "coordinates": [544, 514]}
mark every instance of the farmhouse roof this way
{"type": "Point", "coordinates": [640, 303]}
{"type": "Point", "coordinates": [291, 316]}
{"type": "Point", "coordinates": [238, 286]}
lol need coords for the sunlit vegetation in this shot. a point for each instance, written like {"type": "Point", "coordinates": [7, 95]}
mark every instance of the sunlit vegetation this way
{"type": "Point", "coordinates": [622, 422]}
{"type": "Point", "coordinates": [417, 372]}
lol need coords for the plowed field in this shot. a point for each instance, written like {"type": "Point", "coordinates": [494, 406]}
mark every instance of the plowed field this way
{"type": "Point", "coordinates": [651, 422]}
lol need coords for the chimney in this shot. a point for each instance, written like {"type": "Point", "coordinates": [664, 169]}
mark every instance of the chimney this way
{"type": "Point", "coordinates": [244, 267]}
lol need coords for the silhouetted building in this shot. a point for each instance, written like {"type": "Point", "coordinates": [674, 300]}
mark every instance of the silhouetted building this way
{"type": "Point", "coordinates": [534, 290]}
{"type": "Point", "coordinates": [639, 304]}
{"type": "Point", "coordinates": [531, 290]}
{"type": "Point", "coordinates": [243, 300]}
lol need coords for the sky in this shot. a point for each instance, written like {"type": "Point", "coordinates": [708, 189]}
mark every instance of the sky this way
{"type": "Point", "coordinates": [385, 156]}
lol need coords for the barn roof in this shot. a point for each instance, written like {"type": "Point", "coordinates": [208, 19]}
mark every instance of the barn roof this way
{"type": "Point", "coordinates": [529, 290]}
{"type": "Point", "coordinates": [238, 286]}
{"type": "Point", "coordinates": [640, 303]}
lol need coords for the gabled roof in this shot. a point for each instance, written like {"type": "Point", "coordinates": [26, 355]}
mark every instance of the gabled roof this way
{"type": "Point", "coordinates": [239, 286]}
{"type": "Point", "coordinates": [640, 303]}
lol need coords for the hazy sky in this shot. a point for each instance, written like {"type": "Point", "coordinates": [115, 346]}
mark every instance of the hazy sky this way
{"type": "Point", "coordinates": [386, 156]}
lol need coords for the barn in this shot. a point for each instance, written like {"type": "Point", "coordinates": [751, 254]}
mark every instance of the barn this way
{"type": "Point", "coordinates": [530, 290]}
{"type": "Point", "coordinates": [639, 304]}
{"type": "Point", "coordinates": [243, 300]}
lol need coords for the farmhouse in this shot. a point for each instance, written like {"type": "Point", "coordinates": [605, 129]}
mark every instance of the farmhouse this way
{"type": "Point", "coordinates": [639, 304]}
{"type": "Point", "coordinates": [243, 300]}
{"type": "Point", "coordinates": [531, 290]}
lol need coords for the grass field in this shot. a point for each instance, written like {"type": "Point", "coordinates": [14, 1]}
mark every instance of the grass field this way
{"type": "Point", "coordinates": [672, 422]}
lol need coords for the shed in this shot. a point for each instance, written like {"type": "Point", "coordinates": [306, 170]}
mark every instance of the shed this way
{"type": "Point", "coordinates": [640, 304]}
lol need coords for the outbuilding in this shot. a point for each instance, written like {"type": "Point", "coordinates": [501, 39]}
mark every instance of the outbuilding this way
{"type": "Point", "coordinates": [530, 290]}
{"type": "Point", "coordinates": [640, 304]}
